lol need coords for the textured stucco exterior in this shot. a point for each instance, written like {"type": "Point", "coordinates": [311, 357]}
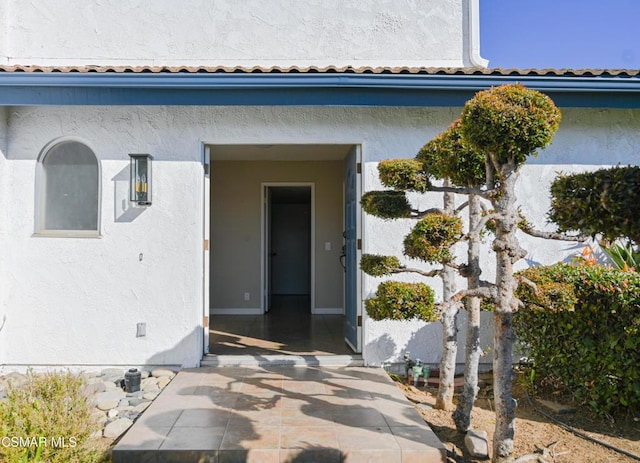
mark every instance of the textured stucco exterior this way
{"type": "Point", "coordinates": [77, 301]}
{"type": "Point", "coordinates": [232, 33]}
{"type": "Point", "coordinates": [4, 221]}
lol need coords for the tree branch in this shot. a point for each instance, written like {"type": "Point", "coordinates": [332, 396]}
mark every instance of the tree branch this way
{"type": "Point", "coordinates": [485, 292]}
{"type": "Point", "coordinates": [483, 223]}
{"type": "Point", "coordinates": [431, 273]}
{"type": "Point", "coordinates": [463, 191]}
{"type": "Point", "coordinates": [461, 207]}
{"type": "Point", "coordinates": [527, 282]}
{"type": "Point", "coordinates": [529, 230]}
{"type": "Point", "coordinates": [434, 210]}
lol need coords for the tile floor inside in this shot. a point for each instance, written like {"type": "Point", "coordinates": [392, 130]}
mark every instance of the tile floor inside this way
{"type": "Point", "coordinates": [288, 328]}
{"type": "Point", "coordinates": [280, 414]}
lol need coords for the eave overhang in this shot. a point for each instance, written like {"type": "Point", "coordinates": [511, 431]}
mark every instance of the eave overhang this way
{"type": "Point", "coordinates": [302, 89]}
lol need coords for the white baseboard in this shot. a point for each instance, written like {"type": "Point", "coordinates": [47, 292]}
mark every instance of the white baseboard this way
{"type": "Point", "coordinates": [238, 311]}
{"type": "Point", "coordinates": [328, 311]}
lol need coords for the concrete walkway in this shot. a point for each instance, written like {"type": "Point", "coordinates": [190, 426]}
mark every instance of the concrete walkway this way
{"type": "Point", "coordinates": [280, 414]}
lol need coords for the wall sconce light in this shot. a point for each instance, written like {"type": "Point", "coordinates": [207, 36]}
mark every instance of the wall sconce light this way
{"type": "Point", "coordinates": [140, 179]}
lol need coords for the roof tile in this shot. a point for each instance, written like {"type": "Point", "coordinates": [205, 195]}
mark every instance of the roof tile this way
{"type": "Point", "coordinates": [322, 70]}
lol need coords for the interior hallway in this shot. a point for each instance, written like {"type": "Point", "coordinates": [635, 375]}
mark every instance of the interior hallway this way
{"type": "Point", "coordinates": [288, 328]}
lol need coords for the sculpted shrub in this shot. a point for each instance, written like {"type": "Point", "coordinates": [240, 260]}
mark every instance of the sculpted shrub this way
{"type": "Point", "coordinates": [432, 237]}
{"type": "Point", "coordinates": [395, 300]}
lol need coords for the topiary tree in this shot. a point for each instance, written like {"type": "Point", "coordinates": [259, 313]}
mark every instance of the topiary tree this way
{"type": "Point", "coordinates": [500, 128]}
{"type": "Point", "coordinates": [507, 124]}
{"type": "Point", "coordinates": [449, 158]}
{"type": "Point", "coordinates": [430, 240]}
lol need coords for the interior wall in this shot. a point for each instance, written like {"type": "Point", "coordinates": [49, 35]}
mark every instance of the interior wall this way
{"type": "Point", "coordinates": [236, 229]}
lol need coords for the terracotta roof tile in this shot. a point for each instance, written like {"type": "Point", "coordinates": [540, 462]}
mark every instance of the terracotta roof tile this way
{"type": "Point", "coordinates": [322, 70]}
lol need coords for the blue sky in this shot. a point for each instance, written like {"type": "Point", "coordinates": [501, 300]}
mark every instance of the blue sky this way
{"type": "Point", "coordinates": [560, 33]}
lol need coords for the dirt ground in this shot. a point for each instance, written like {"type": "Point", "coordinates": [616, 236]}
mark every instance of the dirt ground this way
{"type": "Point", "coordinates": [533, 430]}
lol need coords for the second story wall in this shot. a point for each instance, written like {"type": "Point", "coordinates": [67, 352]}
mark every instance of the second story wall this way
{"type": "Point", "coordinates": [233, 32]}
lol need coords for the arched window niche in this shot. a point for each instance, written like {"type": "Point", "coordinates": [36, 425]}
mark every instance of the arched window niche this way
{"type": "Point", "coordinates": [68, 190]}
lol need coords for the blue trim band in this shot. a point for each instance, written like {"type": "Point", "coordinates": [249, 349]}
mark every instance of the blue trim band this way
{"type": "Point", "coordinates": [300, 89]}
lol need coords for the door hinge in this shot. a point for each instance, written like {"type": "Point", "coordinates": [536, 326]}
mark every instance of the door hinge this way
{"type": "Point", "coordinates": [359, 168]}
{"type": "Point", "coordinates": [359, 320]}
{"type": "Point", "coordinates": [205, 322]}
{"type": "Point", "coordinates": [359, 245]}
{"type": "Point", "coordinates": [206, 167]}
{"type": "Point", "coordinates": [206, 245]}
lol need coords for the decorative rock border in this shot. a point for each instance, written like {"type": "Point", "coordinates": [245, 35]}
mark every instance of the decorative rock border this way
{"type": "Point", "coordinates": [114, 409]}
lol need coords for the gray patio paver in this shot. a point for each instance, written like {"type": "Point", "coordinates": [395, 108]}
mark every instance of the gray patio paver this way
{"type": "Point", "coordinates": [280, 414]}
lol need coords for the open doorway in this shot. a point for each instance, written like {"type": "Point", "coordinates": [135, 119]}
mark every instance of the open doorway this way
{"type": "Point", "coordinates": [278, 280]}
{"type": "Point", "coordinates": [287, 245]}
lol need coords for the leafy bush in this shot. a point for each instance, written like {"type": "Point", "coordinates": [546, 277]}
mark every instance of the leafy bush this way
{"type": "Point", "coordinates": [509, 121]}
{"type": "Point", "coordinates": [431, 238]}
{"type": "Point", "coordinates": [402, 301]}
{"type": "Point", "coordinates": [601, 202]}
{"type": "Point", "coordinates": [54, 413]}
{"type": "Point", "coordinates": [387, 204]}
{"type": "Point", "coordinates": [587, 335]}
{"type": "Point", "coordinates": [448, 156]}
{"type": "Point", "coordinates": [377, 266]}
{"type": "Point", "coordinates": [403, 174]}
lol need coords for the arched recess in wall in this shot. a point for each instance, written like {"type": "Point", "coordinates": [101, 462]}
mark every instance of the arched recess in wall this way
{"type": "Point", "coordinates": [67, 189]}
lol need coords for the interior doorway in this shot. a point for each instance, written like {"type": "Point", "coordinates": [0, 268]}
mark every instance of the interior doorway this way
{"type": "Point", "coordinates": [287, 244]}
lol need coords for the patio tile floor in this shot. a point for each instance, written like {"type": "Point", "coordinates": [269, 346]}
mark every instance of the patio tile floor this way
{"type": "Point", "coordinates": [280, 414]}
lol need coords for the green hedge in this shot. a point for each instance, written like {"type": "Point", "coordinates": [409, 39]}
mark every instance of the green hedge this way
{"type": "Point", "coordinates": [583, 328]}
{"type": "Point", "coordinates": [604, 201]}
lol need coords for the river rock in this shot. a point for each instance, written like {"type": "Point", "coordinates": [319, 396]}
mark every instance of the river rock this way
{"type": "Point", "coordinates": [112, 372]}
{"type": "Point", "coordinates": [107, 404]}
{"type": "Point", "coordinates": [477, 443]}
{"type": "Point", "coordinates": [94, 388]}
{"type": "Point", "coordinates": [117, 427]}
{"type": "Point", "coordinates": [150, 395]}
{"type": "Point", "coordinates": [159, 372]}
{"type": "Point", "coordinates": [162, 382]}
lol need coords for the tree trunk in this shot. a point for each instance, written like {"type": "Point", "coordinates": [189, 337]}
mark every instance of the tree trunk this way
{"type": "Point", "coordinates": [444, 399]}
{"type": "Point", "coordinates": [503, 339]}
{"type": "Point", "coordinates": [462, 415]}
{"type": "Point", "coordinates": [507, 251]}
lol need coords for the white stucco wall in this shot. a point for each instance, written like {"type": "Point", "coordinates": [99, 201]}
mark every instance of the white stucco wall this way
{"type": "Point", "coordinates": [4, 277]}
{"type": "Point", "coordinates": [231, 32]}
{"type": "Point", "coordinates": [77, 301]}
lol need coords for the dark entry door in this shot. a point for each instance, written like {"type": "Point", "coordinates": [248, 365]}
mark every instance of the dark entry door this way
{"type": "Point", "coordinates": [351, 251]}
